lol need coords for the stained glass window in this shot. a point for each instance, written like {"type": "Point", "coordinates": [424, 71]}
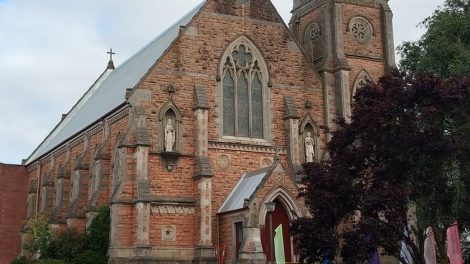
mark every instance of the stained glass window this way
{"type": "Point", "coordinates": [257, 108]}
{"type": "Point", "coordinates": [229, 106]}
{"type": "Point", "coordinates": [242, 95]}
{"type": "Point", "coordinates": [243, 110]}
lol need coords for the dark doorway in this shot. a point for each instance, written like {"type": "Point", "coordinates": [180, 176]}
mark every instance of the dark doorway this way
{"type": "Point", "coordinates": [280, 217]}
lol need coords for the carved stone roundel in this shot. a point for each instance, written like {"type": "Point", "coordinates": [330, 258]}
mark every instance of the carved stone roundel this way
{"type": "Point", "coordinates": [168, 233]}
{"type": "Point", "coordinates": [361, 29]}
{"type": "Point", "coordinates": [266, 162]}
{"type": "Point", "coordinates": [223, 162]}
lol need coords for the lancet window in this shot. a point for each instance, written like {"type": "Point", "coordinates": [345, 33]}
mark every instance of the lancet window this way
{"type": "Point", "coordinates": [361, 80]}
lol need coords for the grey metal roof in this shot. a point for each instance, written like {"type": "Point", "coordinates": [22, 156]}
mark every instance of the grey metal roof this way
{"type": "Point", "coordinates": [243, 190]}
{"type": "Point", "coordinates": [109, 91]}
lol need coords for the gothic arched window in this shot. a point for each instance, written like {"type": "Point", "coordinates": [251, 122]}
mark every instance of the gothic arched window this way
{"type": "Point", "coordinates": [312, 40]}
{"type": "Point", "coordinates": [244, 81]}
{"type": "Point", "coordinates": [361, 80]}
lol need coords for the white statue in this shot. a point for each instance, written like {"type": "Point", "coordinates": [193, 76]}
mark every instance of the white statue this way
{"type": "Point", "coordinates": [169, 136]}
{"type": "Point", "coordinates": [309, 148]}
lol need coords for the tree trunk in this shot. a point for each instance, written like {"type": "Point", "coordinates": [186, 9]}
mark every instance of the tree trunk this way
{"type": "Point", "coordinates": [440, 236]}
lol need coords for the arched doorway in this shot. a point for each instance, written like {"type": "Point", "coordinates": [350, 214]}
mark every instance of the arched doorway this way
{"type": "Point", "coordinates": [280, 217]}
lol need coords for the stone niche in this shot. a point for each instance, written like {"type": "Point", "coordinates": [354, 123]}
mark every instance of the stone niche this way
{"type": "Point", "coordinates": [170, 134]}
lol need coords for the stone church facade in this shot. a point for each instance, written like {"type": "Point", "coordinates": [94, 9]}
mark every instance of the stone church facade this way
{"type": "Point", "coordinates": [190, 138]}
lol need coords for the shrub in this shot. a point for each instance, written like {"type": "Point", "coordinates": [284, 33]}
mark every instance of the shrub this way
{"type": "Point", "coordinates": [37, 235]}
{"type": "Point", "coordinates": [50, 261]}
{"type": "Point", "coordinates": [65, 246]}
{"type": "Point", "coordinates": [22, 260]}
{"type": "Point", "coordinates": [98, 231]}
{"type": "Point", "coordinates": [91, 257]}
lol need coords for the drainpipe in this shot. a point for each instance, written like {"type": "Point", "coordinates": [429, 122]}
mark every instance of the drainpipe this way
{"type": "Point", "coordinates": [218, 238]}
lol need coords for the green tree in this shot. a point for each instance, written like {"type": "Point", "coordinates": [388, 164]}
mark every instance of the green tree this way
{"type": "Point", "coordinates": [98, 231]}
{"type": "Point", "coordinates": [65, 246]}
{"type": "Point", "coordinates": [407, 144]}
{"type": "Point", "coordinates": [69, 246]}
{"type": "Point", "coordinates": [445, 47]}
{"type": "Point", "coordinates": [37, 235]}
{"type": "Point", "coordinates": [466, 246]}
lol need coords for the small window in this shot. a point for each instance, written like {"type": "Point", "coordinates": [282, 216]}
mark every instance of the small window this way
{"type": "Point", "coordinates": [361, 80]}
{"type": "Point", "coordinates": [96, 177]}
{"type": "Point", "coordinates": [58, 193]}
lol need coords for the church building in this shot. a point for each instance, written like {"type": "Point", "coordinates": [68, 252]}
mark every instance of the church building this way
{"type": "Point", "coordinates": [198, 140]}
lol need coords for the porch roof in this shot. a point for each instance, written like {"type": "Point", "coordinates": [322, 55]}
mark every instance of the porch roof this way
{"type": "Point", "coordinates": [244, 189]}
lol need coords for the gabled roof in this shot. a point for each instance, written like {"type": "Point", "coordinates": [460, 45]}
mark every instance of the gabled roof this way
{"type": "Point", "coordinates": [244, 189]}
{"type": "Point", "coordinates": [108, 92]}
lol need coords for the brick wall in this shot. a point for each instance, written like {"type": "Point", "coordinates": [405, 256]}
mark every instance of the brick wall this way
{"type": "Point", "coordinates": [13, 193]}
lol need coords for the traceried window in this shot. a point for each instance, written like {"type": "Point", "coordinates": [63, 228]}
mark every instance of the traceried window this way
{"type": "Point", "coordinates": [313, 40]}
{"type": "Point", "coordinates": [361, 80]}
{"type": "Point", "coordinates": [314, 34]}
{"type": "Point", "coordinates": [361, 29]}
{"type": "Point", "coordinates": [242, 93]}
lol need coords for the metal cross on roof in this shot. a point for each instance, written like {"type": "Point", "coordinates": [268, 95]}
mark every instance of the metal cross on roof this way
{"type": "Point", "coordinates": [111, 53]}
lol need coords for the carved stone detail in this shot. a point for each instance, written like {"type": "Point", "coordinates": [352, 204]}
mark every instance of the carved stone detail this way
{"type": "Point", "coordinates": [172, 209]}
{"type": "Point", "coordinates": [169, 233]}
{"type": "Point", "coordinates": [223, 162]}
{"type": "Point", "coordinates": [314, 34]}
{"type": "Point", "coordinates": [265, 162]}
{"type": "Point", "coordinates": [361, 29]}
{"type": "Point", "coordinates": [245, 147]}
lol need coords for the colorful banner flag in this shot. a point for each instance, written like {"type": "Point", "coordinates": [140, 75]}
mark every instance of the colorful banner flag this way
{"type": "Point", "coordinates": [405, 252]}
{"type": "Point", "coordinates": [279, 246]}
{"type": "Point", "coordinates": [326, 260]}
{"type": "Point", "coordinates": [375, 258]}
{"type": "Point", "coordinates": [454, 246]}
{"type": "Point", "coordinates": [430, 247]}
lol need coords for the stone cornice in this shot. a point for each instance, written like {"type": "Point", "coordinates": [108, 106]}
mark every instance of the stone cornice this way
{"type": "Point", "coordinates": [245, 147]}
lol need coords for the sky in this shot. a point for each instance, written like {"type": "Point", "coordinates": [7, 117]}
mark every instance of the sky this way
{"type": "Point", "coordinates": [51, 51]}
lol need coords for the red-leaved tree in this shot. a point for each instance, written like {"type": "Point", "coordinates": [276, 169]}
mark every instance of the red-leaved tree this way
{"type": "Point", "coordinates": [407, 145]}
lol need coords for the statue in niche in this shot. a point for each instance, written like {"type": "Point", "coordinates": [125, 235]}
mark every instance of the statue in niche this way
{"type": "Point", "coordinates": [309, 148]}
{"type": "Point", "coordinates": [169, 136]}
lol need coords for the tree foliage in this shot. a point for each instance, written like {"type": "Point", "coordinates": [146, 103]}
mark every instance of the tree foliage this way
{"type": "Point", "coordinates": [445, 47]}
{"type": "Point", "coordinates": [37, 234]}
{"type": "Point", "coordinates": [407, 145]}
{"type": "Point", "coordinates": [66, 246]}
{"type": "Point", "coordinates": [466, 246]}
{"type": "Point", "coordinates": [69, 246]}
{"type": "Point", "coordinates": [98, 231]}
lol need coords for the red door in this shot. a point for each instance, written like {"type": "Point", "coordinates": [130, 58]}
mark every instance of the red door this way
{"type": "Point", "coordinates": [280, 217]}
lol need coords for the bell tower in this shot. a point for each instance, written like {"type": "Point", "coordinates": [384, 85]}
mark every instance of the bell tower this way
{"type": "Point", "coordinates": [349, 42]}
